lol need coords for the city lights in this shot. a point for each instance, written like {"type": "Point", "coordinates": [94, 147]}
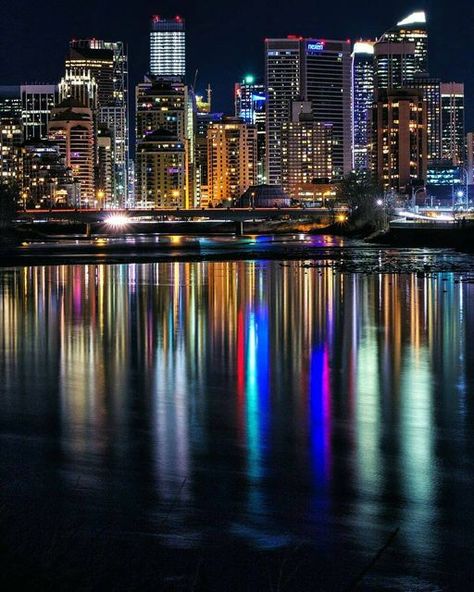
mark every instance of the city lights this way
{"type": "Point", "coordinates": [117, 221]}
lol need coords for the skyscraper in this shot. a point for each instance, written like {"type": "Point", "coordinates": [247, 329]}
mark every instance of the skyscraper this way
{"type": "Point", "coordinates": [306, 150]}
{"type": "Point", "coordinates": [250, 101]}
{"type": "Point", "coordinates": [168, 47]}
{"type": "Point", "coordinates": [400, 139]}
{"type": "Point", "coordinates": [97, 75]}
{"type": "Point", "coordinates": [312, 70]}
{"type": "Point", "coordinates": [283, 84]}
{"type": "Point", "coordinates": [395, 64]}
{"type": "Point", "coordinates": [232, 158]}
{"type": "Point", "coordinates": [71, 129]}
{"type": "Point", "coordinates": [363, 96]}
{"type": "Point", "coordinates": [431, 89]}
{"type": "Point", "coordinates": [411, 29]}
{"type": "Point", "coordinates": [165, 116]}
{"type": "Point", "coordinates": [452, 122]}
{"type": "Point", "coordinates": [327, 84]}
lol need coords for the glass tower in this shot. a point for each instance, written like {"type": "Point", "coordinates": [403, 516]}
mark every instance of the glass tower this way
{"type": "Point", "coordinates": [168, 47]}
{"type": "Point", "coordinates": [363, 96]}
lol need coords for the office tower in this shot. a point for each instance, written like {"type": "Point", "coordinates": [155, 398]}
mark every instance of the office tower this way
{"type": "Point", "coordinates": [45, 180]}
{"type": "Point", "coordinates": [306, 150]}
{"type": "Point", "coordinates": [232, 159]}
{"type": "Point", "coordinates": [168, 48]}
{"type": "Point", "coordinates": [395, 64]}
{"type": "Point", "coordinates": [166, 105]}
{"type": "Point", "coordinates": [363, 96]}
{"type": "Point", "coordinates": [37, 102]}
{"type": "Point", "coordinates": [470, 157]}
{"type": "Point", "coordinates": [161, 165]}
{"type": "Point", "coordinates": [250, 101]}
{"type": "Point", "coordinates": [97, 75]}
{"type": "Point", "coordinates": [400, 139]}
{"type": "Point", "coordinates": [313, 70]}
{"type": "Point", "coordinates": [431, 89]}
{"type": "Point", "coordinates": [452, 122]}
{"type": "Point", "coordinates": [412, 30]}
{"type": "Point", "coordinates": [71, 128]}
{"type": "Point", "coordinates": [327, 84]}
{"type": "Point", "coordinates": [283, 84]}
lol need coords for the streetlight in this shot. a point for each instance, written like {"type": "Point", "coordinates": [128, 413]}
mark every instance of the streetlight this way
{"type": "Point", "coordinates": [414, 193]}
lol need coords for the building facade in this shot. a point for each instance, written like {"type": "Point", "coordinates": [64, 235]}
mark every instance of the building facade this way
{"type": "Point", "coordinates": [400, 152]}
{"type": "Point", "coordinates": [312, 70]}
{"type": "Point", "coordinates": [232, 159]}
{"type": "Point", "coordinates": [431, 89]}
{"type": "Point", "coordinates": [71, 129]}
{"type": "Point", "coordinates": [161, 165]}
{"type": "Point", "coordinates": [46, 182]}
{"type": "Point", "coordinates": [250, 103]}
{"type": "Point", "coordinates": [306, 151]}
{"type": "Point", "coordinates": [167, 106]}
{"type": "Point", "coordinates": [363, 96]}
{"type": "Point", "coordinates": [37, 102]}
{"type": "Point", "coordinates": [412, 30]}
{"type": "Point", "coordinates": [452, 122]}
{"type": "Point", "coordinates": [168, 47]}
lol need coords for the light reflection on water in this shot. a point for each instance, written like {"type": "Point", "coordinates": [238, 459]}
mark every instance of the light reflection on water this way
{"type": "Point", "coordinates": [250, 400]}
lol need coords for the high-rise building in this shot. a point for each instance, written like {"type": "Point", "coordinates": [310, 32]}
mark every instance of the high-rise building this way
{"type": "Point", "coordinates": [327, 84]}
{"type": "Point", "coordinates": [431, 89]}
{"type": "Point", "coordinates": [400, 139]}
{"type": "Point", "coordinates": [363, 96]}
{"type": "Point", "coordinates": [306, 150]}
{"type": "Point", "coordinates": [97, 75]}
{"type": "Point", "coordinates": [203, 121]}
{"type": "Point", "coordinates": [160, 105]}
{"type": "Point", "coordinates": [412, 30]}
{"type": "Point", "coordinates": [452, 122]}
{"type": "Point", "coordinates": [168, 48]}
{"type": "Point", "coordinates": [45, 179]}
{"type": "Point", "coordinates": [161, 171]}
{"type": "Point", "coordinates": [71, 129]}
{"type": "Point", "coordinates": [283, 84]}
{"type": "Point", "coordinates": [232, 159]}
{"type": "Point", "coordinates": [250, 101]}
{"type": "Point", "coordinates": [168, 105]}
{"type": "Point", "coordinates": [37, 102]}
{"type": "Point", "coordinates": [312, 70]}
{"type": "Point", "coordinates": [395, 64]}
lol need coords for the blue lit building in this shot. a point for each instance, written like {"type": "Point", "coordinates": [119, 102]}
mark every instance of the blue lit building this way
{"type": "Point", "coordinates": [250, 101]}
{"type": "Point", "coordinates": [444, 180]}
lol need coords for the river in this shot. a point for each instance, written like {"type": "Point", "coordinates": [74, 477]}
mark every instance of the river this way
{"type": "Point", "coordinates": [247, 424]}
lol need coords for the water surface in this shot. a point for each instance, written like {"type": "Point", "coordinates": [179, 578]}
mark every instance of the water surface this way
{"type": "Point", "coordinates": [241, 416]}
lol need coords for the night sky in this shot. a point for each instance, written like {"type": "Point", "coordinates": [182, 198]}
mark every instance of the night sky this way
{"type": "Point", "coordinates": [225, 39]}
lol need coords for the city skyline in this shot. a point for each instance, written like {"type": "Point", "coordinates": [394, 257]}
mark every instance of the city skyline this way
{"type": "Point", "coordinates": [40, 59]}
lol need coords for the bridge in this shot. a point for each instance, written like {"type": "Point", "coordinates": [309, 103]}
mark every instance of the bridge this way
{"type": "Point", "coordinates": [90, 216]}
